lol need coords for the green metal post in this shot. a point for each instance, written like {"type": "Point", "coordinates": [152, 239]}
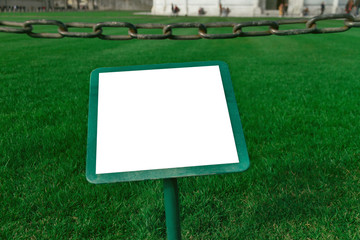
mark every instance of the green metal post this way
{"type": "Point", "coordinates": [172, 214]}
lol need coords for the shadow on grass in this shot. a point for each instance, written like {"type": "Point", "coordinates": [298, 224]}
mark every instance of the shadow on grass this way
{"type": "Point", "coordinates": [306, 200]}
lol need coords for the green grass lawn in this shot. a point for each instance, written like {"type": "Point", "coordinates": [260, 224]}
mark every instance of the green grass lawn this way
{"type": "Point", "coordinates": [299, 102]}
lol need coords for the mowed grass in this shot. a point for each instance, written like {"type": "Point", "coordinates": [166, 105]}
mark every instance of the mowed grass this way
{"type": "Point", "coordinates": [299, 102]}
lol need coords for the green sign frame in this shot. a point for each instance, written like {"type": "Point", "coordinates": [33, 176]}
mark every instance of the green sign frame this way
{"type": "Point", "coordinates": [171, 172]}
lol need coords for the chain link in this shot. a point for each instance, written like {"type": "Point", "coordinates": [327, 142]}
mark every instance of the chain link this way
{"type": "Point", "coordinates": [30, 23]}
{"type": "Point", "coordinates": [271, 24]}
{"type": "Point", "coordinates": [66, 33]}
{"type": "Point", "coordinates": [348, 18]}
{"type": "Point", "coordinates": [307, 30]}
{"type": "Point", "coordinates": [167, 29]}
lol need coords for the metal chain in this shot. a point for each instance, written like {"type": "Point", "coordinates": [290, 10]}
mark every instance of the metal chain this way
{"type": "Point", "coordinates": [167, 29]}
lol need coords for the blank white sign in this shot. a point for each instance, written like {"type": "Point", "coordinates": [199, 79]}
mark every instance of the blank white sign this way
{"type": "Point", "coordinates": [163, 118]}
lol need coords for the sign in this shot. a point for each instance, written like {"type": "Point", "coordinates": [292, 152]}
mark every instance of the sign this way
{"type": "Point", "coordinates": [163, 121]}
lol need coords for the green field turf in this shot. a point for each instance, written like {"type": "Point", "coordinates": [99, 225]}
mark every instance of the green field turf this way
{"type": "Point", "coordinates": [299, 102]}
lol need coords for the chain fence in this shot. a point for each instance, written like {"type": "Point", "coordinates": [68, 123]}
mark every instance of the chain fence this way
{"type": "Point", "coordinates": [310, 27]}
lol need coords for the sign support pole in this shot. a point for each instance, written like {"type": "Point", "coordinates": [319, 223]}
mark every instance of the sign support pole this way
{"type": "Point", "coordinates": [172, 213]}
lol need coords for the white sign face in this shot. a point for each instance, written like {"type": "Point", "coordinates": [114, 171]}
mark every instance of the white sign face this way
{"type": "Point", "coordinates": [162, 118]}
